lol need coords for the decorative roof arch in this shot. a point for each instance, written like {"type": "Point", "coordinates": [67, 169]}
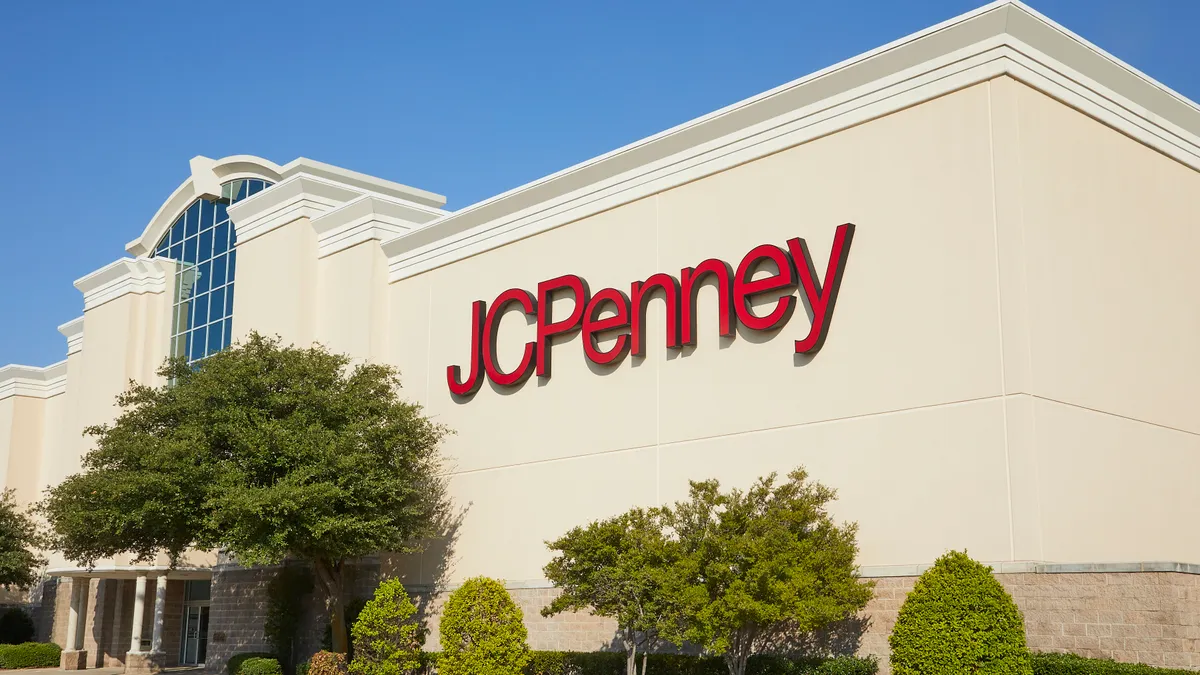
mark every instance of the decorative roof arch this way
{"type": "Point", "coordinates": [205, 181]}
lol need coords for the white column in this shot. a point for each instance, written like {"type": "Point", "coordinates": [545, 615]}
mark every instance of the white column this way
{"type": "Point", "coordinates": [139, 611]}
{"type": "Point", "coordinates": [74, 618]}
{"type": "Point", "coordinates": [160, 604]}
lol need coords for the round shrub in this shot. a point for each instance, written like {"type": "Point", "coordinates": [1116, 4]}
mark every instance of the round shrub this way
{"type": "Point", "coordinates": [261, 666]}
{"type": "Point", "coordinates": [959, 619]}
{"type": "Point", "coordinates": [327, 663]}
{"type": "Point", "coordinates": [234, 665]}
{"type": "Point", "coordinates": [16, 626]}
{"type": "Point", "coordinates": [387, 638]}
{"type": "Point", "coordinates": [482, 631]}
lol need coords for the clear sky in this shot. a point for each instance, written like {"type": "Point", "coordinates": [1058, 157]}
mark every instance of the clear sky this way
{"type": "Point", "coordinates": [102, 104]}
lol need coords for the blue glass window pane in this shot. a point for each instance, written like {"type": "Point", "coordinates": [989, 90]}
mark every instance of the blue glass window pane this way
{"type": "Point", "coordinates": [189, 250]}
{"type": "Point", "coordinates": [241, 187]}
{"type": "Point", "coordinates": [232, 264]}
{"type": "Point", "coordinates": [205, 252]}
{"type": "Point", "coordinates": [216, 305]}
{"type": "Point", "coordinates": [206, 215]}
{"type": "Point", "coordinates": [221, 214]}
{"type": "Point", "coordinates": [179, 345]}
{"type": "Point", "coordinates": [203, 277]}
{"type": "Point", "coordinates": [229, 328]}
{"type": "Point", "coordinates": [199, 311]}
{"type": "Point", "coordinates": [218, 271]}
{"type": "Point", "coordinates": [229, 299]}
{"type": "Point", "coordinates": [177, 231]}
{"type": "Point", "coordinates": [196, 348]}
{"type": "Point", "coordinates": [221, 239]}
{"type": "Point", "coordinates": [256, 186]}
{"type": "Point", "coordinates": [176, 252]}
{"type": "Point", "coordinates": [214, 338]}
{"type": "Point", "coordinates": [193, 219]}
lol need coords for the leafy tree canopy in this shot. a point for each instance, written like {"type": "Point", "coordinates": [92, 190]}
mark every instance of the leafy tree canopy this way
{"type": "Point", "coordinates": [267, 451]}
{"type": "Point", "coordinates": [19, 541]}
{"type": "Point", "coordinates": [758, 566]}
{"type": "Point", "coordinates": [617, 568]}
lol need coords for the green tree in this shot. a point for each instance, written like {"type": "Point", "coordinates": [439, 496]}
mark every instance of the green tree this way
{"type": "Point", "coordinates": [270, 452]}
{"type": "Point", "coordinates": [482, 631]}
{"type": "Point", "coordinates": [19, 541]}
{"type": "Point", "coordinates": [959, 619]}
{"type": "Point", "coordinates": [760, 566]}
{"type": "Point", "coordinates": [387, 636]}
{"type": "Point", "coordinates": [616, 568]}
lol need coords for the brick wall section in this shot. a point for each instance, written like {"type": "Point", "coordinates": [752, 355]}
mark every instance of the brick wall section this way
{"type": "Point", "coordinates": [235, 620]}
{"type": "Point", "coordinates": [1143, 617]}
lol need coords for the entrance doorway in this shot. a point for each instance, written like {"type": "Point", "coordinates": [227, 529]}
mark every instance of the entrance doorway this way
{"type": "Point", "coordinates": [193, 647]}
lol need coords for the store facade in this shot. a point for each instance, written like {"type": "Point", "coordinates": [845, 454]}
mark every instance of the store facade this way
{"type": "Point", "coordinates": [953, 277]}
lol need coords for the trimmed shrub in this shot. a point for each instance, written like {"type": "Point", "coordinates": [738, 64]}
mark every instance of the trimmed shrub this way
{"type": "Point", "coordinates": [327, 663]}
{"type": "Point", "coordinates": [959, 619]}
{"type": "Point", "coordinates": [30, 655]}
{"type": "Point", "coordinates": [1069, 664]}
{"type": "Point", "coordinates": [302, 668]}
{"type": "Point", "coordinates": [261, 666]}
{"type": "Point", "coordinates": [387, 638]}
{"type": "Point", "coordinates": [234, 665]}
{"type": "Point", "coordinates": [16, 626]}
{"type": "Point", "coordinates": [482, 631]}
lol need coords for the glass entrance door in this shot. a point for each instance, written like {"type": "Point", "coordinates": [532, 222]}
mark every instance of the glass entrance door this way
{"type": "Point", "coordinates": [194, 645]}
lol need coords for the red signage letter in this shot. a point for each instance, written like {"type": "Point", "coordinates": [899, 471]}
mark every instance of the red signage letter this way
{"type": "Point", "coordinates": [821, 300]}
{"type": "Point", "coordinates": [545, 328]}
{"type": "Point", "coordinates": [492, 325]}
{"type": "Point", "coordinates": [641, 292]}
{"type": "Point", "coordinates": [690, 278]}
{"type": "Point", "coordinates": [744, 288]}
{"type": "Point", "coordinates": [593, 326]}
{"type": "Point", "coordinates": [472, 384]}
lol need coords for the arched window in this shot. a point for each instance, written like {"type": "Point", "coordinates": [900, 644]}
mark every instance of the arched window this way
{"type": "Point", "coordinates": [202, 241]}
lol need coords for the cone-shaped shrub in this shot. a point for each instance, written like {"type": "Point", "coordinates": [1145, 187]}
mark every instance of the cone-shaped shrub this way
{"type": "Point", "coordinates": [387, 637]}
{"type": "Point", "coordinates": [959, 619]}
{"type": "Point", "coordinates": [482, 631]}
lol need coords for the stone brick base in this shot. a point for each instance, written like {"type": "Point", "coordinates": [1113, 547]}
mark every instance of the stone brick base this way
{"type": "Point", "coordinates": [1142, 617]}
{"type": "Point", "coordinates": [74, 659]}
{"type": "Point", "coordinates": [144, 663]}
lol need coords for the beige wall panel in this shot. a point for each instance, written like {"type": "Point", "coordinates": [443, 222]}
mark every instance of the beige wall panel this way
{"type": "Point", "coordinates": [54, 437]}
{"type": "Point", "coordinates": [408, 340]}
{"type": "Point", "coordinates": [352, 293]}
{"type": "Point", "coordinates": [276, 284]}
{"type": "Point", "coordinates": [917, 319]}
{"type": "Point", "coordinates": [24, 460]}
{"type": "Point", "coordinates": [918, 482]}
{"type": "Point", "coordinates": [512, 512]}
{"type": "Point", "coordinates": [577, 411]}
{"type": "Point", "coordinates": [1114, 489]}
{"type": "Point", "coordinates": [1113, 235]}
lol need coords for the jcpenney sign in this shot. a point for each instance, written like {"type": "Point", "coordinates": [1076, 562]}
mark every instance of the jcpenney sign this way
{"type": "Point", "coordinates": [626, 319]}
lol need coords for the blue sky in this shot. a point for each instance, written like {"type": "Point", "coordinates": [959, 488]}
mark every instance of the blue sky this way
{"type": "Point", "coordinates": [104, 103]}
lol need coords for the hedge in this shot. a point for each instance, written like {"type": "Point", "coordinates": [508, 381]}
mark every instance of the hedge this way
{"type": "Point", "coordinates": [1069, 664]}
{"type": "Point", "coordinates": [234, 665]}
{"type": "Point", "coordinates": [30, 655]}
{"type": "Point", "coordinates": [613, 663]}
{"type": "Point", "coordinates": [260, 665]}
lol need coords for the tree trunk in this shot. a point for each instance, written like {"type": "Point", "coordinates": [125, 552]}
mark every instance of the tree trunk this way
{"type": "Point", "coordinates": [645, 661]}
{"type": "Point", "coordinates": [330, 574]}
{"type": "Point", "coordinates": [630, 653]}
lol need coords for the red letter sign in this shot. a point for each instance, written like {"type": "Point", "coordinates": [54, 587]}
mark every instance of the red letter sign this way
{"type": "Point", "coordinates": [472, 384]}
{"type": "Point", "coordinates": [820, 301]}
{"type": "Point", "coordinates": [521, 372]}
{"type": "Point", "coordinates": [546, 329]}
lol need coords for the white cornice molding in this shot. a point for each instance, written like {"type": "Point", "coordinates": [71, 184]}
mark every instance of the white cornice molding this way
{"type": "Point", "coordinates": [73, 331]}
{"type": "Point", "coordinates": [32, 381]}
{"type": "Point", "coordinates": [300, 196]}
{"type": "Point", "coordinates": [367, 218]}
{"type": "Point", "coordinates": [361, 182]}
{"type": "Point", "coordinates": [1003, 38]}
{"type": "Point", "coordinates": [122, 277]}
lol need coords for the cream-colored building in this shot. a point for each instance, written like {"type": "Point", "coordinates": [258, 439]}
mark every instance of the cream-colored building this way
{"type": "Point", "coordinates": [1011, 366]}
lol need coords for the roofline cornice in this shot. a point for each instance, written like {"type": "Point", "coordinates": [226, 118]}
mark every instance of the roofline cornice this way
{"type": "Point", "coordinates": [1002, 38]}
{"type": "Point", "coordinates": [32, 381]}
{"type": "Point", "coordinates": [73, 331]}
{"type": "Point", "coordinates": [122, 277]}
